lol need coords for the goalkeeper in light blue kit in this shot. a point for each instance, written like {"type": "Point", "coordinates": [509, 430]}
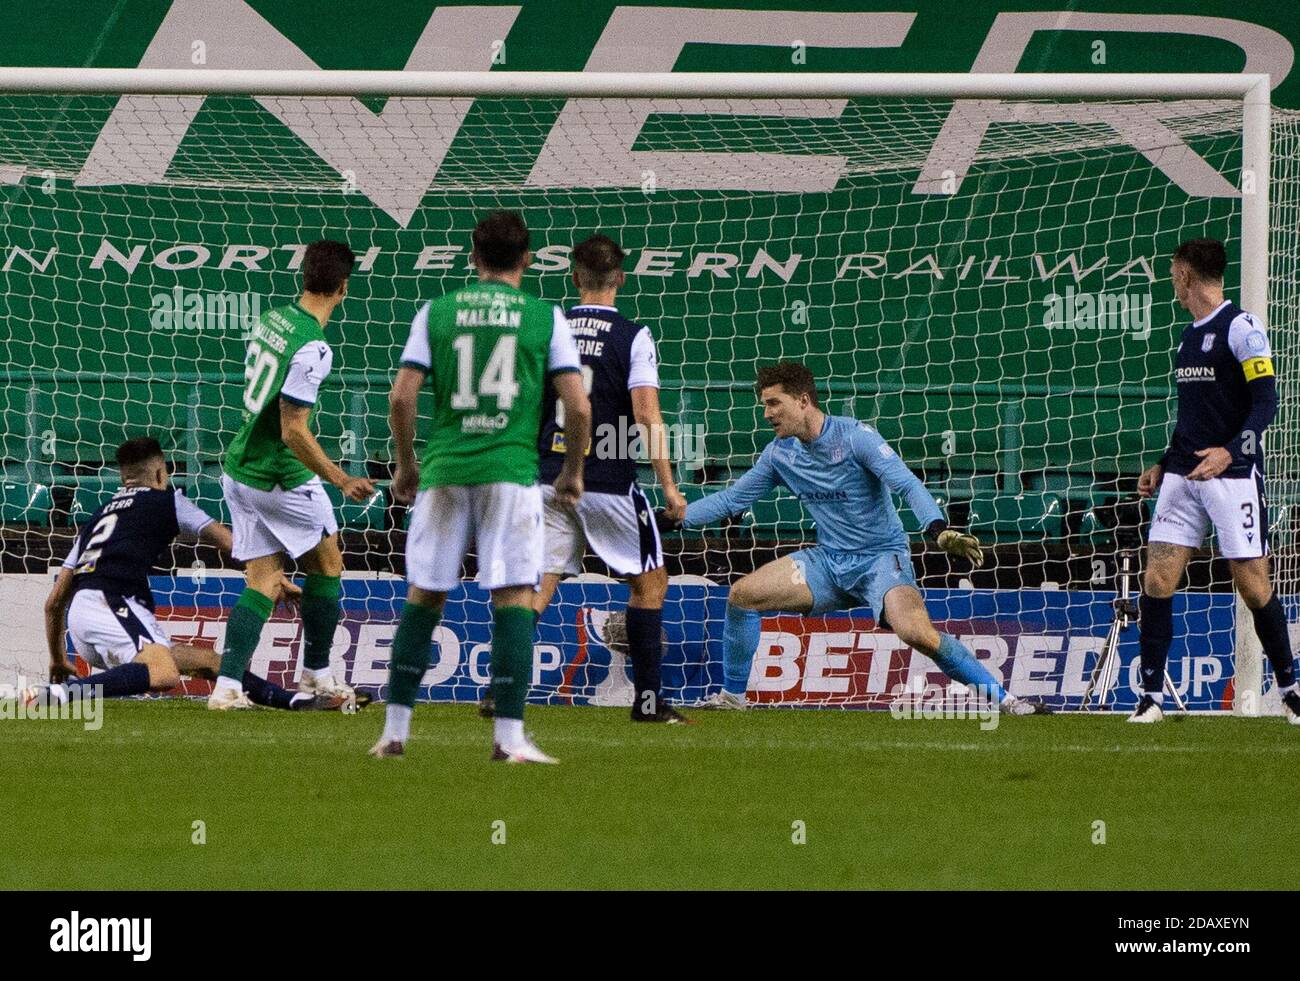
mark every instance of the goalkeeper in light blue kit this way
{"type": "Point", "coordinates": [842, 471]}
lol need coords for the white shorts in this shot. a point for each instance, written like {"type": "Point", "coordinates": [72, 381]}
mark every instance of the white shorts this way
{"type": "Point", "coordinates": [503, 521]}
{"type": "Point", "coordinates": [1233, 506]}
{"type": "Point", "coordinates": [274, 521]}
{"type": "Point", "coordinates": [620, 528]}
{"type": "Point", "coordinates": [110, 634]}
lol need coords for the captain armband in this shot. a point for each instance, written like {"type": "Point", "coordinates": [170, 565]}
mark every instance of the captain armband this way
{"type": "Point", "coordinates": [1257, 368]}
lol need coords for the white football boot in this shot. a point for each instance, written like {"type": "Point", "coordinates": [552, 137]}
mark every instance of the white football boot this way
{"type": "Point", "coordinates": [387, 747]}
{"type": "Point", "coordinates": [1013, 705]}
{"type": "Point", "coordinates": [228, 700]}
{"type": "Point", "coordinates": [1147, 711]}
{"type": "Point", "coordinates": [325, 685]}
{"type": "Point", "coordinates": [1291, 708]}
{"type": "Point", "coordinates": [522, 752]}
{"type": "Point", "coordinates": [45, 696]}
{"type": "Point", "coordinates": [723, 700]}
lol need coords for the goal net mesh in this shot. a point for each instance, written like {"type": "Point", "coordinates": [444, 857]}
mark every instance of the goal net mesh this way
{"type": "Point", "coordinates": [984, 283]}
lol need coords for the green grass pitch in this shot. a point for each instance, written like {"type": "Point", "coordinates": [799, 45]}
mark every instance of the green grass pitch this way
{"type": "Point", "coordinates": [292, 801]}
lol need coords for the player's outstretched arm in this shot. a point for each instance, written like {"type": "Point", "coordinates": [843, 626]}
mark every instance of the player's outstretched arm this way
{"type": "Point", "coordinates": [56, 609]}
{"type": "Point", "coordinates": [402, 402]}
{"type": "Point", "coordinates": [736, 498]}
{"type": "Point", "coordinates": [1149, 480]}
{"type": "Point", "coordinates": [577, 435]}
{"type": "Point", "coordinates": [297, 435]}
{"type": "Point", "coordinates": [646, 411]}
{"type": "Point", "coordinates": [873, 453]}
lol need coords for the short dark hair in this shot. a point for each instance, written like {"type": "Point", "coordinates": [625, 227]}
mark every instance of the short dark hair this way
{"type": "Point", "coordinates": [1206, 256]}
{"type": "Point", "coordinates": [326, 266]}
{"type": "Point", "coordinates": [793, 377]}
{"type": "Point", "coordinates": [501, 241]}
{"type": "Point", "coordinates": [597, 261]}
{"type": "Point", "coordinates": [135, 453]}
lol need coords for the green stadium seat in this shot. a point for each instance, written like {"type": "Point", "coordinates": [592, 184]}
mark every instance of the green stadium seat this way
{"type": "Point", "coordinates": [964, 485]}
{"type": "Point", "coordinates": [1097, 525]}
{"type": "Point", "coordinates": [368, 515]}
{"type": "Point", "coordinates": [1092, 530]}
{"type": "Point", "coordinates": [1281, 527]}
{"type": "Point", "coordinates": [1064, 484]}
{"type": "Point", "coordinates": [28, 504]}
{"type": "Point", "coordinates": [910, 523]}
{"type": "Point", "coordinates": [1023, 517]}
{"type": "Point", "coordinates": [205, 491]}
{"type": "Point", "coordinates": [89, 494]}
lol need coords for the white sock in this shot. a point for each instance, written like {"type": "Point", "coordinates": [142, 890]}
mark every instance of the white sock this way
{"type": "Point", "coordinates": [508, 732]}
{"type": "Point", "coordinates": [1156, 696]}
{"type": "Point", "coordinates": [397, 722]}
{"type": "Point", "coordinates": [224, 683]}
{"type": "Point", "coordinates": [1289, 689]}
{"type": "Point", "coordinates": [317, 673]}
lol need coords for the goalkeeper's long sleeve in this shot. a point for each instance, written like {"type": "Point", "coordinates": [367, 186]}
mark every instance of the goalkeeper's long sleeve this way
{"type": "Point", "coordinates": [843, 479]}
{"type": "Point", "coordinates": [740, 495]}
{"type": "Point", "coordinates": [871, 450]}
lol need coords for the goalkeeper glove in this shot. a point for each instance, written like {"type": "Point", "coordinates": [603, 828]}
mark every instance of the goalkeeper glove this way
{"type": "Point", "coordinates": [956, 543]}
{"type": "Point", "coordinates": [664, 523]}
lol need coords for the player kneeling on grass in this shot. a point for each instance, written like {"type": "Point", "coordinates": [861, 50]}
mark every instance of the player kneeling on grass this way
{"type": "Point", "coordinates": [103, 594]}
{"type": "Point", "coordinates": [487, 348]}
{"type": "Point", "coordinates": [1212, 475]}
{"type": "Point", "coordinates": [843, 473]}
{"type": "Point", "coordinates": [272, 481]}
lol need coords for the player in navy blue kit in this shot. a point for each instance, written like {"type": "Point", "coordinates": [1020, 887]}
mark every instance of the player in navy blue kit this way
{"type": "Point", "coordinates": [1212, 475]}
{"type": "Point", "coordinates": [620, 370]}
{"type": "Point", "coordinates": [103, 594]}
{"type": "Point", "coordinates": [844, 473]}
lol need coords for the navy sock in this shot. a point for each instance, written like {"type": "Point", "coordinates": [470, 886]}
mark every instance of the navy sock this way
{"type": "Point", "coordinates": [1270, 625]}
{"type": "Point", "coordinates": [1155, 634]}
{"type": "Point", "coordinates": [263, 692]}
{"type": "Point", "coordinates": [126, 679]}
{"type": "Point", "coordinates": [645, 648]}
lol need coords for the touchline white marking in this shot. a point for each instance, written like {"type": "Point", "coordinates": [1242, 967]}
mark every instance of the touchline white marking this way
{"type": "Point", "coordinates": [705, 745]}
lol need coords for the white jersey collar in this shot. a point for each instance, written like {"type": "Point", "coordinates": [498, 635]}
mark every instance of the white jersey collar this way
{"type": "Point", "coordinates": [1211, 315]}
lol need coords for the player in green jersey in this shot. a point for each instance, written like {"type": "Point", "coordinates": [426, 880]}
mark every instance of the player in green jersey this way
{"type": "Point", "coordinates": [272, 481]}
{"type": "Point", "coordinates": [488, 349]}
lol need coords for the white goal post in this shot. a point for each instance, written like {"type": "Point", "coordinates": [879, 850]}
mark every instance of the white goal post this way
{"type": "Point", "coordinates": [704, 93]}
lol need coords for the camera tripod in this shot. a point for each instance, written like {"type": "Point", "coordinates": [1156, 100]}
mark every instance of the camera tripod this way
{"type": "Point", "coordinates": [1126, 611]}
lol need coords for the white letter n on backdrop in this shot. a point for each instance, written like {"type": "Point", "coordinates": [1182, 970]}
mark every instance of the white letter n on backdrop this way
{"type": "Point", "coordinates": [143, 133]}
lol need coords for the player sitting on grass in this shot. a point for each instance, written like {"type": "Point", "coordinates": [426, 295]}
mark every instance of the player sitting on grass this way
{"type": "Point", "coordinates": [272, 481]}
{"type": "Point", "coordinates": [102, 593]}
{"type": "Point", "coordinates": [843, 473]}
{"type": "Point", "coordinates": [487, 348]}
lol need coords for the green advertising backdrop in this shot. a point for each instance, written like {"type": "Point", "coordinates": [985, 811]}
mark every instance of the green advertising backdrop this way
{"type": "Point", "coordinates": [955, 321]}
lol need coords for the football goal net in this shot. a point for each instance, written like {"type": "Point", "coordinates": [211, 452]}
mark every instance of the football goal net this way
{"type": "Point", "coordinates": [975, 265]}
